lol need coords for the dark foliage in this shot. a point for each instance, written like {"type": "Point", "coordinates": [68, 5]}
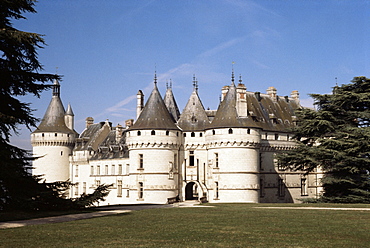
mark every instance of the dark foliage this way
{"type": "Point", "coordinates": [336, 139]}
{"type": "Point", "coordinates": [20, 75]}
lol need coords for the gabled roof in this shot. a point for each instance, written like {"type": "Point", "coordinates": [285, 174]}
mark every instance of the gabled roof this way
{"type": "Point", "coordinates": [170, 102]}
{"type": "Point", "coordinates": [155, 114]}
{"type": "Point", "coordinates": [193, 117]}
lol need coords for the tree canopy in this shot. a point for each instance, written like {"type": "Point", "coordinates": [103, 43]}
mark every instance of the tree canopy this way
{"type": "Point", "coordinates": [336, 139]}
{"type": "Point", "coordinates": [20, 74]}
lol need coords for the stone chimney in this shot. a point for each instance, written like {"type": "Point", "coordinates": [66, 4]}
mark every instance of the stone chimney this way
{"type": "Point", "coordinates": [140, 103]}
{"type": "Point", "coordinates": [89, 121]}
{"type": "Point", "coordinates": [129, 123]}
{"type": "Point", "coordinates": [119, 132]}
{"type": "Point", "coordinates": [295, 95]}
{"type": "Point", "coordinates": [272, 92]}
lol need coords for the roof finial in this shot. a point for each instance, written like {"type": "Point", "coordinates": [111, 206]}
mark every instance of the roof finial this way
{"type": "Point", "coordinates": [155, 77]}
{"type": "Point", "coordinates": [232, 73]}
{"type": "Point", "coordinates": [195, 83]}
{"type": "Point", "coordinates": [194, 80]}
{"type": "Point", "coordinates": [240, 78]}
{"type": "Point", "coordinates": [336, 81]}
{"type": "Point", "coordinates": [170, 83]}
{"type": "Point", "coordinates": [166, 83]}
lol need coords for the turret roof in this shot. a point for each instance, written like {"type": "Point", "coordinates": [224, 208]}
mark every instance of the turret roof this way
{"type": "Point", "coordinates": [53, 120]}
{"type": "Point", "coordinates": [193, 117]}
{"type": "Point", "coordinates": [155, 114]}
{"type": "Point", "coordinates": [170, 102]}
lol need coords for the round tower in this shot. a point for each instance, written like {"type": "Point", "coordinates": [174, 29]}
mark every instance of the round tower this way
{"type": "Point", "coordinates": [153, 142]}
{"type": "Point", "coordinates": [53, 140]}
{"type": "Point", "coordinates": [233, 153]}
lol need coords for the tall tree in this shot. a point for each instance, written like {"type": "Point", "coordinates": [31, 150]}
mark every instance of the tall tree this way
{"type": "Point", "coordinates": [336, 139]}
{"type": "Point", "coordinates": [20, 75]}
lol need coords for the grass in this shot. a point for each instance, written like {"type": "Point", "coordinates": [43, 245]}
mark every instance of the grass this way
{"type": "Point", "coordinates": [225, 225]}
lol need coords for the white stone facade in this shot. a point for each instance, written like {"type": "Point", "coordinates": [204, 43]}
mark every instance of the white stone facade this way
{"type": "Point", "coordinates": [205, 155]}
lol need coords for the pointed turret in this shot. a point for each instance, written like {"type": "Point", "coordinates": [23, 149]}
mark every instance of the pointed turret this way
{"type": "Point", "coordinates": [53, 140]}
{"type": "Point", "coordinates": [155, 114]}
{"type": "Point", "coordinates": [170, 102]}
{"type": "Point", "coordinates": [194, 117]}
{"type": "Point", "coordinates": [54, 118]}
{"type": "Point", "coordinates": [69, 117]}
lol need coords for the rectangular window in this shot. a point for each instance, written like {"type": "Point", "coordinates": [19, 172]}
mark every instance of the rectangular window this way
{"type": "Point", "coordinates": [113, 170]}
{"type": "Point", "coordinates": [119, 188]}
{"type": "Point", "coordinates": [216, 160]}
{"type": "Point", "coordinates": [141, 161]}
{"type": "Point", "coordinates": [98, 170]}
{"type": "Point", "coordinates": [217, 191]}
{"type": "Point", "coordinates": [84, 188]}
{"type": "Point", "coordinates": [127, 193]}
{"type": "Point", "coordinates": [97, 182]}
{"type": "Point", "coordinates": [127, 169]}
{"type": "Point", "coordinates": [191, 158]}
{"type": "Point", "coordinates": [106, 170]}
{"type": "Point", "coordinates": [304, 186]}
{"type": "Point", "coordinates": [141, 190]}
{"type": "Point", "coordinates": [91, 170]}
{"type": "Point", "coordinates": [281, 187]}
{"type": "Point", "coordinates": [76, 173]}
{"type": "Point", "coordinates": [76, 189]}
{"type": "Point", "coordinates": [119, 169]}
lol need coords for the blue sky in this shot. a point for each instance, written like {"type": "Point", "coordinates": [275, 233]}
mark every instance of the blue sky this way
{"type": "Point", "coordinates": [108, 50]}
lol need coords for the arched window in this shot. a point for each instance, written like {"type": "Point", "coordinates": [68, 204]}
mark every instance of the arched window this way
{"type": "Point", "coordinates": [192, 134]}
{"type": "Point", "coordinates": [167, 132]}
{"type": "Point", "coordinates": [248, 131]}
{"type": "Point", "coordinates": [184, 134]}
{"type": "Point", "coordinates": [213, 132]}
{"type": "Point", "coordinates": [153, 132]}
{"type": "Point", "coordinates": [200, 134]}
{"type": "Point", "coordinates": [230, 131]}
{"type": "Point", "coordinates": [138, 133]}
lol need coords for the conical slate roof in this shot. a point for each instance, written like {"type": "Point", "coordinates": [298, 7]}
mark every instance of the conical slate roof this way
{"type": "Point", "coordinates": [53, 120]}
{"type": "Point", "coordinates": [170, 102]}
{"type": "Point", "coordinates": [155, 114]}
{"type": "Point", "coordinates": [69, 110]}
{"type": "Point", "coordinates": [193, 117]}
{"type": "Point", "coordinates": [227, 115]}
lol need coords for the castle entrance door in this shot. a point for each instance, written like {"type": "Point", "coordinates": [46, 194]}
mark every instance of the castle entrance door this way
{"type": "Point", "coordinates": [191, 191]}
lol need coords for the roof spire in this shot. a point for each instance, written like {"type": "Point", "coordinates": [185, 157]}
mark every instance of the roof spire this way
{"type": "Point", "coordinates": [56, 88]}
{"type": "Point", "coordinates": [155, 77]}
{"type": "Point", "coordinates": [232, 73]}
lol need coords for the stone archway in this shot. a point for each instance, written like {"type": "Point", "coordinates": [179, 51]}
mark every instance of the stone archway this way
{"type": "Point", "coordinates": [191, 191]}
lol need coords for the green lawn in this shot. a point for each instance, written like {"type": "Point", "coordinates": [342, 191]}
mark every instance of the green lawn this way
{"type": "Point", "coordinates": [225, 225]}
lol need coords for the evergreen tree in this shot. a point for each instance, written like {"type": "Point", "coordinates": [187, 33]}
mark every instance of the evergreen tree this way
{"type": "Point", "coordinates": [336, 139]}
{"type": "Point", "coordinates": [20, 75]}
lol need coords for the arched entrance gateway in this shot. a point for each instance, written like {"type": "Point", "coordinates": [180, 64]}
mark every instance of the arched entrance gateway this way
{"type": "Point", "coordinates": [191, 191]}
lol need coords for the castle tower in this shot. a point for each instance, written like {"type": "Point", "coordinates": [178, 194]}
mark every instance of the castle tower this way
{"type": "Point", "coordinates": [233, 152]}
{"type": "Point", "coordinates": [153, 144]}
{"type": "Point", "coordinates": [53, 140]}
{"type": "Point", "coordinates": [193, 122]}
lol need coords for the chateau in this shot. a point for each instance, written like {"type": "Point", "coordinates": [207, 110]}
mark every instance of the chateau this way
{"type": "Point", "coordinates": [223, 155]}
